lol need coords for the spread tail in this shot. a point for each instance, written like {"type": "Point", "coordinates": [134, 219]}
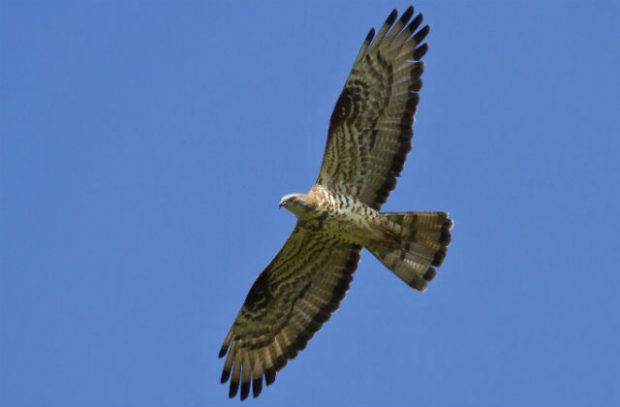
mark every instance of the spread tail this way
{"type": "Point", "coordinates": [420, 246]}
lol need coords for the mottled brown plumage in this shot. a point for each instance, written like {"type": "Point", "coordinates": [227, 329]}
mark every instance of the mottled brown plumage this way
{"type": "Point", "coordinates": [369, 136]}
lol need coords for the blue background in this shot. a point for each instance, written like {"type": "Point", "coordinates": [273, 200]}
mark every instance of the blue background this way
{"type": "Point", "coordinates": [144, 149]}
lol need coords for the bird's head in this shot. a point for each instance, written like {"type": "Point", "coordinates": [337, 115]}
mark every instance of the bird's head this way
{"type": "Point", "coordinates": [295, 203]}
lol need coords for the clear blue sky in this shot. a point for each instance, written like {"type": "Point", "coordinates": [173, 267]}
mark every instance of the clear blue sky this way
{"type": "Point", "coordinates": [144, 149]}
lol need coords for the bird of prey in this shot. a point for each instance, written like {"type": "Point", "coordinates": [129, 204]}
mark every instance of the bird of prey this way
{"type": "Point", "coordinates": [369, 136]}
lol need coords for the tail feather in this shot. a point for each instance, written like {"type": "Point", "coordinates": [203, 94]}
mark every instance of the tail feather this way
{"type": "Point", "coordinates": [418, 248]}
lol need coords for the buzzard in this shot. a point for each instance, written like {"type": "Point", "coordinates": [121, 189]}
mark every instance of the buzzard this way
{"type": "Point", "coordinates": [369, 136]}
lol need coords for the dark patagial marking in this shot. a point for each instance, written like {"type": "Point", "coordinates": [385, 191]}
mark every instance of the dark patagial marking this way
{"type": "Point", "coordinates": [342, 110]}
{"type": "Point", "coordinates": [259, 293]}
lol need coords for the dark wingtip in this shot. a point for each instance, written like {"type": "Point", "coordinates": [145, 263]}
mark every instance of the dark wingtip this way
{"type": "Point", "coordinates": [420, 35]}
{"type": "Point", "coordinates": [245, 390]}
{"type": "Point", "coordinates": [270, 376]}
{"type": "Point", "coordinates": [415, 23]}
{"type": "Point", "coordinates": [420, 52]}
{"type": "Point", "coordinates": [370, 35]}
{"type": "Point", "coordinates": [226, 344]}
{"type": "Point", "coordinates": [407, 15]}
{"type": "Point", "coordinates": [392, 17]}
{"type": "Point", "coordinates": [257, 386]}
{"type": "Point", "coordinates": [234, 388]}
{"type": "Point", "coordinates": [225, 376]}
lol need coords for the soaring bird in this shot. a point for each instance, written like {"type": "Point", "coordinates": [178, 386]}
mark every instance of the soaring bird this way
{"type": "Point", "coordinates": [369, 137]}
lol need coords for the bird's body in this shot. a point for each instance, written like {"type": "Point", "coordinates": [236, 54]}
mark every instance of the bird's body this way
{"type": "Point", "coordinates": [369, 136]}
{"type": "Point", "coordinates": [340, 216]}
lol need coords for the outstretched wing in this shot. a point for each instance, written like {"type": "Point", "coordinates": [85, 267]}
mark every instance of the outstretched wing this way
{"type": "Point", "coordinates": [287, 304]}
{"type": "Point", "coordinates": [370, 130]}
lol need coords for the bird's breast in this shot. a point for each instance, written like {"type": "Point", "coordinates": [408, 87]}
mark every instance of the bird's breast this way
{"type": "Point", "coordinates": [345, 218]}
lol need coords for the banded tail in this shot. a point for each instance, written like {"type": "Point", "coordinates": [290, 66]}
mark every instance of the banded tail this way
{"type": "Point", "coordinates": [420, 247]}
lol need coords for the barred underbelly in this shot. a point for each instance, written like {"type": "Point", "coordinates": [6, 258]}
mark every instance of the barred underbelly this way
{"type": "Point", "coordinates": [347, 219]}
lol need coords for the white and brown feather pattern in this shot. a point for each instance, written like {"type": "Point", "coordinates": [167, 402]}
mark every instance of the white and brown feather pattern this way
{"type": "Point", "coordinates": [287, 304]}
{"type": "Point", "coordinates": [370, 134]}
{"type": "Point", "coordinates": [370, 130]}
{"type": "Point", "coordinates": [420, 247]}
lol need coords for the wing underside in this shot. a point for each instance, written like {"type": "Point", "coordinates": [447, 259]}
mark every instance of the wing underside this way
{"type": "Point", "coordinates": [287, 304]}
{"type": "Point", "coordinates": [369, 137]}
{"type": "Point", "coordinates": [370, 130]}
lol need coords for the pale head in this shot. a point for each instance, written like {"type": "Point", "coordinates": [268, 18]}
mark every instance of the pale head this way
{"type": "Point", "coordinates": [295, 203]}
